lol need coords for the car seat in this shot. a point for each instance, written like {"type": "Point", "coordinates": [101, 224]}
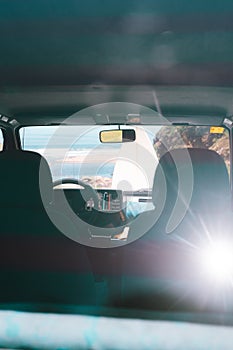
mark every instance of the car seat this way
{"type": "Point", "coordinates": [160, 267]}
{"type": "Point", "coordinates": [38, 264]}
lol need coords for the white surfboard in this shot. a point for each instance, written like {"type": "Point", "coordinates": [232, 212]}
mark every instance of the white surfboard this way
{"type": "Point", "coordinates": [136, 164]}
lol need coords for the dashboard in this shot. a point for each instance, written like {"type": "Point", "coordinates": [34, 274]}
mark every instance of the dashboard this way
{"type": "Point", "coordinates": [106, 200]}
{"type": "Point", "coordinates": [110, 200]}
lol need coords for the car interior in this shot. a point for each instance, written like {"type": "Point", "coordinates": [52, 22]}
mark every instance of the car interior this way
{"type": "Point", "coordinates": [116, 175]}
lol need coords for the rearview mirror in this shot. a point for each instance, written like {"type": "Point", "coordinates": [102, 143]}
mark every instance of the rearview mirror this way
{"type": "Point", "coordinates": [117, 136]}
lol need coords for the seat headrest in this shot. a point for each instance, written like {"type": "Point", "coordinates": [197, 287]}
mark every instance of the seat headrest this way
{"type": "Point", "coordinates": [204, 170]}
{"type": "Point", "coordinates": [22, 173]}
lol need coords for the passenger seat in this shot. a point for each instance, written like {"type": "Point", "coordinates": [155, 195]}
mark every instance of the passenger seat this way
{"type": "Point", "coordinates": [161, 270]}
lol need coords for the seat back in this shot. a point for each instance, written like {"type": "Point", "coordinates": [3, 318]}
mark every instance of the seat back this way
{"type": "Point", "coordinates": [38, 264]}
{"type": "Point", "coordinates": [159, 268]}
{"type": "Point", "coordinates": [197, 188]}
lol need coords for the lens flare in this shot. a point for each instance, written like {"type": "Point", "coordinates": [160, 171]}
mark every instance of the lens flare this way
{"type": "Point", "coordinates": [217, 261]}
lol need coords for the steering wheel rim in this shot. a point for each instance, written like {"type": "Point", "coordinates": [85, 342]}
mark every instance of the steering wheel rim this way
{"type": "Point", "coordinates": [88, 192]}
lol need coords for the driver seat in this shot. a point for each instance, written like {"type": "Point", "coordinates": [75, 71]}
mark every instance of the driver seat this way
{"type": "Point", "coordinates": [38, 263]}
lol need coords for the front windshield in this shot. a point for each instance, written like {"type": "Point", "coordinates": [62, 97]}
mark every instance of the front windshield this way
{"type": "Point", "coordinates": [76, 151]}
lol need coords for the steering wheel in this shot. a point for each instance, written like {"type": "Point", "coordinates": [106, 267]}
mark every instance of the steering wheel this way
{"type": "Point", "coordinates": [88, 193]}
{"type": "Point", "coordinates": [91, 201]}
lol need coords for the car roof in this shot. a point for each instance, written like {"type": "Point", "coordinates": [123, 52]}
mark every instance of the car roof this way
{"type": "Point", "coordinates": [66, 54]}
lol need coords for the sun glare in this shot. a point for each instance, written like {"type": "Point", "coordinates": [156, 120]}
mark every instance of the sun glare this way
{"type": "Point", "coordinates": [218, 261]}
